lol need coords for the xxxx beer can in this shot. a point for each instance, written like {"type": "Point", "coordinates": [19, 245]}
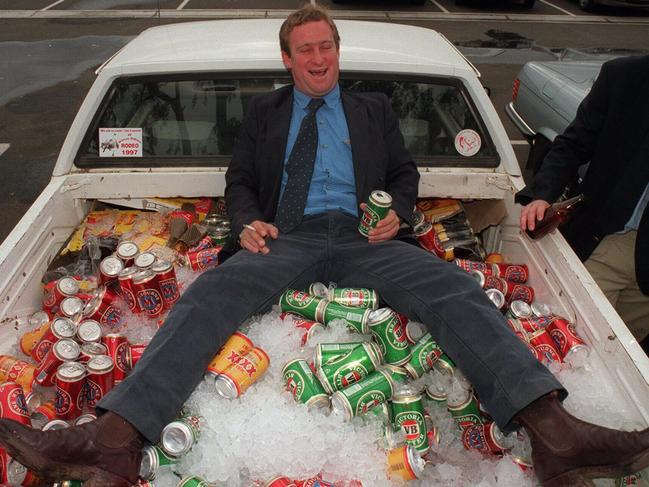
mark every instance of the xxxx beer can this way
{"type": "Point", "coordinates": [362, 396]}
{"type": "Point", "coordinates": [203, 259]}
{"type": "Point", "coordinates": [485, 438]}
{"type": "Point", "coordinates": [390, 335]}
{"type": "Point", "coordinates": [325, 352]}
{"type": "Point", "coordinates": [342, 371]}
{"type": "Point", "coordinates": [61, 289]}
{"type": "Point", "coordinates": [408, 414]}
{"type": "Point", "coordinates": [148, 293]}
{"type": "Point", "coordinates": [377, 208]}
{"type": "Point", "coordinates": [127, 251]}
{"type": "Point", "coordinates": [300, 381]}
{"type": "Point", "coordinates": [565, 336]}
{"type": "Point", "coordinates": [545, 346]}
{"type": "Point", "coordinates": [13, 404]}
{"type": "Point", "coordinates": [242, 372]}
{"type": "Point", "coordinates": [117, 348]}
{"type": "Point", "coordinates": [236, 346]}
{"type": "Point", "coordinates": [178, 437]}
{"type": "Point", "coordinates": [356, 318]}
{"type": "Point", "coordinates": [355, 297]}
{"type": "Point", "coordinates": [424, 355]}
{"type": "Point", "coordinates": [152, 459]}
{"type": "Point", "coordinates": [103, 308]}
{"type": "Point", "coordinates": [167, 281]}
{"type": "Point", "coordinates": [405, 464]}
{"type": "Point", "coordinates": [70, 390]}
{"type": "Point", "coordinates": [99, 379]}
{"type": "Point", "coordinates": [301, 303]}
{"type": "Point", "coordinates": [126, 290]}
{"type": "Point", "coordinates": [64, 350]}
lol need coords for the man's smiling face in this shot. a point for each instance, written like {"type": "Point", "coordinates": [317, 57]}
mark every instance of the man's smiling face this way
{"type": "Point", "coordinates": [314, 58]}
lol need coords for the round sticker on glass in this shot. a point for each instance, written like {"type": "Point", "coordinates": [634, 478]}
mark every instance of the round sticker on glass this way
{"type": "Point", "coordinates": [467, 142]}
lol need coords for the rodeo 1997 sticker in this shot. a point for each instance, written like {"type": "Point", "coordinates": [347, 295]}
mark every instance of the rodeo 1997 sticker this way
{"type": "Point", "coordinates": [467, 142]}
{"type": "Point", "coordinates": [120, 142]}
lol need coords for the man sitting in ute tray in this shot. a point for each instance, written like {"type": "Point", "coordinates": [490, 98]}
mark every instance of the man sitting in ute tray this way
{"type": "Point", "coordinates": [295, 208]}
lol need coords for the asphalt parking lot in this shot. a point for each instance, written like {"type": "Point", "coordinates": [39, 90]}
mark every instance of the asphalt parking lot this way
{"type": "Point", "coordinates": [49, 50]}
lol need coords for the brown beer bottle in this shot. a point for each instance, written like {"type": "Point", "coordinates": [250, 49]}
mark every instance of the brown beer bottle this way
{"type": "Point", "coordinates": [555, 215]}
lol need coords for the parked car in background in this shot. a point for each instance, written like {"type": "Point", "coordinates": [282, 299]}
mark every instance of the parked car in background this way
{"type": "Point", "coordinates": [588, 5]}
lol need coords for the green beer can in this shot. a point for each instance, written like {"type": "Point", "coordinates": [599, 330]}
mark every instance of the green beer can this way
{"type": "Point", "coordinates": [299, 302]}
{"type": "Point", "coordinates": [409, 415]}
{"type": "Point", "coordinates": [300, 381]}
{"type": "Point", "coordinates": [356, 318]}
{"type": "Point", "coordinates": [355, 365]}
{"type": "Point", "coordinates": [378, 206]}
{"type": "Point", "coordinates": [399, 374]}
{"type": "Point", "coordinates": [178, 437]}
{"type": "Point", "coordinates": [424, 355]}
{"type": "Point", "coordinates": [325, 352]}
{"type": "Point", "coordinates": [390, 334]}
{"type": "Point", "coordinates": [356, 297]}
{"type": "Point", "coordinates": [153, 458]}
{"type": "Point", "coordinates": [464, 408]}
{"type": "Point", "coordinates": [193, 481]}
{"type": "Point", "coordinates": [362, 396]}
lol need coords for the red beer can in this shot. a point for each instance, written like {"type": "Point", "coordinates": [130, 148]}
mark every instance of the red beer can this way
{"type": "Point", "coordinates": [474, 265]}
{"type": "Point", "coordinates": [59, 328]}
{"type": "Point", "coordinates": [512, 272]}
{"type": "Point", "coordinates": [148, 293]}
{"type": "Point", "coordinates": [102, 308]}
{"type": "Point", "coordinates": [109, 269]}
{"type": "Point", "coordinates": [89, 331]}
{"type": "Point", "coordinates": [43, 414]}
{"type": "Point", "coordinates": [100, 379]}
{"type": "Point", "coordinates": [71, 307]}
{"type": "Point", "coordinates": [64, 350]}
{"type": "Point", "coordinates": [428, 239]}
{"type": "Point", "coordinates": [280, 482]}
{"type": "Point", "coordinates": [167, 281]}
{"type": "Point", "coordinates": [70, 390]}
{"type": "Point", "coordinates": [90, 350]}
{"type": "Point", "coordinates": [565, 336]}
{"type": "Point", "coordinates": [135, 354]}
{"type": "Point", "coordinates": [546, 348]}
{"type": "Point", "coordinates": [13, 404]}
{"type": "Point", "coordinates": [203, 259]}
{"type": "Point", "coordinates": [310, 327]}
{"type": "Point", "coordinates": [57, 291]}
{"type": "Point", "coordinates": [485, 438]}
{"type": "Point", "coordinates": [145, 260]}
{"type": "Point", "coordinates": [117, 349]}
{"type": "Point", "coordinates": [127, 251]}
{"type": "Point", "coordinates": [512, 290]}
{"type": "Point", "coordinates": [126, 290]}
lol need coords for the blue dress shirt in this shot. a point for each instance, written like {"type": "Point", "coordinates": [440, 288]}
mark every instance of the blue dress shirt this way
{"type": "Point", "coordinates": [634, 221]}
{"type": "Point", "coordinates": [333, 185]}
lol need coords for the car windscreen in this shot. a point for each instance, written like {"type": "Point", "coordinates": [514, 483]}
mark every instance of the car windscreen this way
{"type": "Point", "coordinates": [196, 120]}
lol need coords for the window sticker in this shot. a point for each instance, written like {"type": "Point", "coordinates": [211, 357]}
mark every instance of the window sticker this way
{"type": "Point", "coordinates": [467, 142]}
{"type": "Point", "coordinates": [120, 142]}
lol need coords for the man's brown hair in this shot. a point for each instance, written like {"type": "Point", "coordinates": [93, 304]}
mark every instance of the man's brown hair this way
{"type": "Point", "coordinates": [308, 13]}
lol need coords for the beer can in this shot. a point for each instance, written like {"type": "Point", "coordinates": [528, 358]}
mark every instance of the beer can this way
{"type": "Point", "coordinates": [304, 304]}
{"type": "Point", "coordinates": [237, 345]}
{"type": "Point", "coordinates": [178, 437]}
{"type": "Point", "coordinates": [135, 353]}
{"type": "Point", "coordinates": [518, 309]}
{"type": "Point", "coordinates": [530, 324]}
{"type": "Point", "coordinates": [464, 409]}
{"type": "Point", "coordinates": [241, 373]}
{"type": "Point", "coordinates": [356, 318]}
{"type": "Point", "coordinates": [109, 269]}
{"type": "Point", "coordinates": [43, 414]}
{"type": "Point", "coordinates": [99, 379]}
{"type": "Point", "coordinates": [89, 331]}
{"type": "Point", "coordinates": [64, 350]}
{"type": "Point", "coordinates": [377, 207]}
{"type": "Point", "coordinates": [103, 308]}
{"type": "Point", "coordinates": [126, 290]}
{"type": "Point", "coordinates": [408, 414]}
{"type": "Point", "coordinates": [117, 349]}
{"type": "Point", "coordinates": [428, 239]}
{"type": "Point", "coordinates": [545, 347]}
{"type": "Point", "coordinates": [127, 251]}
{"type": "Point", "coordinates": [85, 418]}
{"type": "Point", "coordinates": [405, 463]}
{"type": "Point", "coordinates": [565, 337]}
{"type": "Point", "coordinates": [13, 404]}
{"type": "Point", "coordinates": [424, 355]}
{"type": "Point", "coordinates": [144, 260]}
{"type": "Point", "coordinates": [540, 309]}
{"type": "Point", "coordinates": [280, 481]}
{"type": "Point", "coordinates": [468, 265]}
{"type": "Point", "coordinates": [193, 481]}
{"type": "Point", "coordinates": [485, 438]}
{"type": "Point", "coordinates": [355, 297]}
{"type": "Point", "coordinates": [437, 386]}
{"type": "Point", "coordinates": [167, 281]}
{"type": "Point", "coordinates": [63, 288]}
{"type": "Point", "coordinates": [325, 352]}
{"type": "Point", "coordinates": [300, 381]}
{"type": "Point", "coordinates": [30, 339]}
{"type": "Point", "coordinates": [390, 336]}
{"type": "Point", "coordinates": [362, 396]}
{"type": "Point", "coordinates": [148, 293]}
{"type": "Point", "coordinates": [512, 272]}
{"type": "Point", "coordinates": [398, 374]}
{"type": "Point", "coordinates": [70, 390]}
{"type": "Point", "coordinates": [414, 329]}
{"type": "Point", "coordinates": [203, 259]}
{"type": "Point", "coordinates": [417, 217]}
{"type": "Point", "coordinates": [56, 424]}
{"type": "Point", "coordinates": [319, 289]}
{"type": "Point", "coordinates": [58, 328]}
{"type": "Point", "coordinates": [152, 459]}
{"type": "Point", "coordinates": [310, 327]}
{"type": "Point", "coordinates": [16, 474]}
{"type": "Point", "coordinates": [71, 307]}
{"type": "Point", "coordinates": [445, 365]}
{"type": "Point", "coordinates": [496, 297]}
{"type": "Point", "coordinates": [91, 349]}
{"type": "Point", "coordinates": [344, 370]}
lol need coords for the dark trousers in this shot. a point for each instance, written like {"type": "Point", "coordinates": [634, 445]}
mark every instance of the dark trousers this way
{"type": "Point", "coordinates": [326, 248]}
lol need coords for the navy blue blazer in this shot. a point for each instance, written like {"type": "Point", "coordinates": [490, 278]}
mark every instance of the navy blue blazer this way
{"type": "Point", "coordinates": [380, 158]}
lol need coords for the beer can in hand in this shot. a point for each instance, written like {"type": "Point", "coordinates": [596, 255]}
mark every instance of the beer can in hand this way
{"type": "Point", "coordinates": [378, 206]}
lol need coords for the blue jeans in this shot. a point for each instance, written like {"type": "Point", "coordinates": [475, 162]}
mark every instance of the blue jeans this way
{"type": "Point", "coordinates": [327, 247]}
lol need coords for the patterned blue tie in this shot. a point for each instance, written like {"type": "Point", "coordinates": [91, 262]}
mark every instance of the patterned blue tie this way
{"type": "Point", "coordinates": [299, 168]}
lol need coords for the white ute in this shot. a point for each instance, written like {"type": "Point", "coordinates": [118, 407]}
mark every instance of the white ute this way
{"type": "Point", "coordinates": [437, 94]}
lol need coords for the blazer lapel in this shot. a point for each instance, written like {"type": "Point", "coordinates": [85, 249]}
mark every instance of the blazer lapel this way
{"type": "Point", "coordinates": [357, 124]}
{"type": "Point", "coordinates": [278, 127]}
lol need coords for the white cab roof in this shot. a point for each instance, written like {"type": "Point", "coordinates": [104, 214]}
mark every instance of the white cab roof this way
{"type": "Point", "coordinates": [252, 44]}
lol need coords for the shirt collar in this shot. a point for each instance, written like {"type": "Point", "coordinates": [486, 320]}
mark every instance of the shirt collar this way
{"type": "Point", "coordinates": [331, 99]}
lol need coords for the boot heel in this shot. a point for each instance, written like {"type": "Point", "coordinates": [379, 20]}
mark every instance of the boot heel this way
{"type": "Point", "coordinates": [568, 480]}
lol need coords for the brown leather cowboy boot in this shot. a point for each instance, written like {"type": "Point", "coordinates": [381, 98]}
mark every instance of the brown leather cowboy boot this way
{"type": "Point", "coordinates": [104, 453]}
{"type": "Point", "coordinates": [569, 452]}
